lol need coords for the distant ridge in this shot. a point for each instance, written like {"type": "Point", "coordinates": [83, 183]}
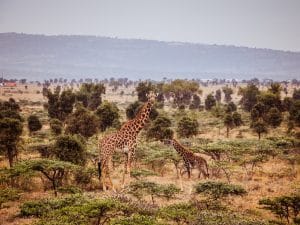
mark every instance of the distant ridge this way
{"type": "Point", "coordinates": [74, 56]}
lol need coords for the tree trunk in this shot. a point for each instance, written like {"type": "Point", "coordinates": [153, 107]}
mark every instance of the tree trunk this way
{"type": "Point", "coordinates": [10, 157]}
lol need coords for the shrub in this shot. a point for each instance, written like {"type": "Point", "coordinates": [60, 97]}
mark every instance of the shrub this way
{"type": "Point", "coordinates": [34, 124]}
{"type": "Point", "coordinates": [71, 149]}
{"type": "Point", "coordinates": [217, 190]}
{"type": "Point", "coordinates": [108, 115]}
{"type": "Point", "coordinates": [210, 101]}
{"type": "Point", "coordinates": [8, 194]}
{"type": "Point", "coordinates": [82, 122]}
{"type": "Point", "coordinates": [182, 213]}
{"type": "Point", "coordinates": [56, 126]}
{"type": "Point", "coordinates": [160, 129]}
{"type": "Point", "coordinates": [274, 117]}
{"type": "Point", "coordinates": [10, 132]}
{"type": "Point", "coordinates": [187, 127]}
{"type": "Point", "coordinates": [284, 207]}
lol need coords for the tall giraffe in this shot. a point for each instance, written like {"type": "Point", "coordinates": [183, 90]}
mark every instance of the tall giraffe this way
{"type": "Point", "coordinates": [190, 159]}
{"type": "Point", "coordinates": [124, 139]}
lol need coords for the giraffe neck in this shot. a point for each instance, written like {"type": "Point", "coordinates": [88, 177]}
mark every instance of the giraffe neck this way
{"type": "Point", "coordinates": [179, 148]}
{"type": "Point", "coordinates": [143, 115]}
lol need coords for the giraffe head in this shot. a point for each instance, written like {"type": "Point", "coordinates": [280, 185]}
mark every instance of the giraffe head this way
{"type": "Point", "coordinates": [151, 96]}
{"type": "Point", "coordinates": [168, 142]}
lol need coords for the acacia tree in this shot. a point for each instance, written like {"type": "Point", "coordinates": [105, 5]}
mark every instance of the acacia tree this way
{"type": "Point", "coordinates": [53, 170]}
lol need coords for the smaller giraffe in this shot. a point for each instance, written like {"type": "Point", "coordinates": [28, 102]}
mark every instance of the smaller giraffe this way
{"type": "Point", "coordinates": [191, 160]}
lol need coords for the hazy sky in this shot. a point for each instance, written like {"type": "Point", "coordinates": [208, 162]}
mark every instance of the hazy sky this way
{"type": "Point", "coordinates": [254, 23]}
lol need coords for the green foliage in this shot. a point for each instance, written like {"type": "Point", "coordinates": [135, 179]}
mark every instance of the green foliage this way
{"type": "Point", "coordinates": [218, 95]}
{"type": "Point", "coordinates": [285, 207]}
{"type": "Point", "coordinates": [296, 94]}
{"type": "Point", "coordinates": [270, 100]}
{"type": "Point", "coordinates": [43, 207]}
{"type": "Point", "coordinates": [34, 124]}
{"type": "Point", "coordinates": [259, 127]}
{"type": "Point", "coordinates": [108, 114]}
{"type": "Point", "coordinates": [230, 107]}
{"type": "Point", "coordinates": [10, 109]}
{"type": "Point", "coordinates": [136, 220]}
{"type": "Point", "coordinates": [209, 102]}
{"type": "Point", "coordinates": [182, 90]}
{"type": "Point", "coordinates": [217, 190]}
{"type": "Point", "coordinates": [82, 122]}
{"type": "Point", "coordinates": [71, 149]}
{"type": "Point", "coordinates": [10, 132]}
{"type": "Point", "coordinates": [133, 109]}
{"type": "Point", "coordinates": [182, 213]}
{"type": "Point", "coordinates": [160, 129]}
{"type": "Point", "coordinates": [227, 94]}
{"type": "Point", "coordinates": [249, 96]}
{"type": "Point", "coordinates": [187, 127]}
{"type": "Point", "coordinates": [56, 126]}
{"type": "Point", "coordinates": [295, 112]}
{"type": "Point", "coordinates": [8, 194]}
{"type": "Point", "coordinates": [90, 95]}
{"type": "Point", "coordinates": [60, 104]}
{"type": "Point", "coordinates": [53, 170]}
{"type": "Point", "coordinates": [137, 174]}
{"type": "Point", "coordinates": [274, 117]}
{"type": "Point", "coordinates": [196, 102]}
{"type": "Point", "coordinates": [141, 188]}
{"type": "Point", "coordinates": [69, 190]}
{"type": "Point", "coordinates": [209, 217]}
{"type": "Point", "coordinates": [143, 89]}
{"type": "Point", "coordinates": [228, 122]}
{"type": "Point", "coordinates": [237, 119]}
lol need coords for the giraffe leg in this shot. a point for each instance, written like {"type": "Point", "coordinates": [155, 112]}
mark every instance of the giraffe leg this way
{"type": "Point", "coordinates": [125, 169]}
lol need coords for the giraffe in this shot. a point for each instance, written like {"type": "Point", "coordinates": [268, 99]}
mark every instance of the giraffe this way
{"type": "Point", "coordinates": [190, 159]}
{"type": "Point", "coordinates": [124, 139]}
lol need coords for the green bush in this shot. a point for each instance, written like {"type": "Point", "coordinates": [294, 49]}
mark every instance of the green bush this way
{"type": "Point", "coordinates": [187, 127]}
{"type": "Point", "coordinates": [34, 124]}
{"type": "Point", "coordinates": [56, 126]}
{"type": "Point", "coordinates": [8, 194]}
{"type": "Point", "coordinates": [71, 149]}
{"type": "Point", "coordinates": [217, 190]}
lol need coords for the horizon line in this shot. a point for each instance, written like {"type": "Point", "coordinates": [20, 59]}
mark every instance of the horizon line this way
{"type": "Point", "coordinates": [154, 40]}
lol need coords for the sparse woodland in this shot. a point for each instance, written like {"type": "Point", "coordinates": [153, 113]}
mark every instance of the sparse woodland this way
{"type": "Point", "coordinates": [248, 132]}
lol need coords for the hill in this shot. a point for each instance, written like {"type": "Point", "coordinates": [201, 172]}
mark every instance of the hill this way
{"type": "Point", "coordinates": [40, 56]}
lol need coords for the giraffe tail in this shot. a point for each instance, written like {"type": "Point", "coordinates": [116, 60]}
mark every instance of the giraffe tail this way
{"type": "Point", "coordinates": [99, 169]}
